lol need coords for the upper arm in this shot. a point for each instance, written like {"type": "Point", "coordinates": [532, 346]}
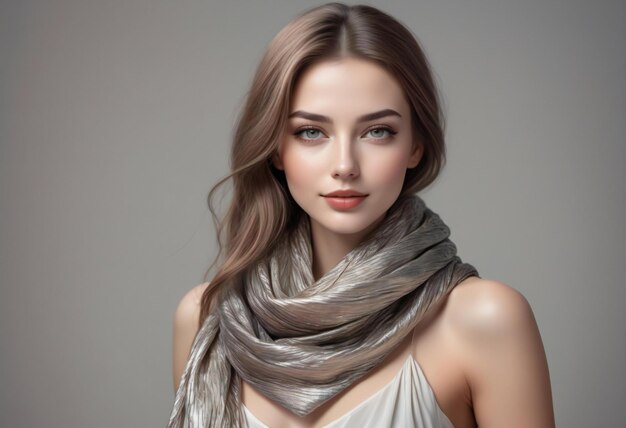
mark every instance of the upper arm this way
{"type": "Point", "coordinates": [503, 356]}
{"type": "Point", "coordinates": [186, 324]}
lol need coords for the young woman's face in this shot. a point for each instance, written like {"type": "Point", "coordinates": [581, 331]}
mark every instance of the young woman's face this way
{"type": "Point", "coordinates": [349, 130]}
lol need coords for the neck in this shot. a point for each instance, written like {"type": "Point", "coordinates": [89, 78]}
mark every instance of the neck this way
{"type": "Point", "coordinates": [330, 247]}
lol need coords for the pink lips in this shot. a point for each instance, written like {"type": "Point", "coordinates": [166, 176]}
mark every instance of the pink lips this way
{"type": "Point", "coordinates": [344, 199]}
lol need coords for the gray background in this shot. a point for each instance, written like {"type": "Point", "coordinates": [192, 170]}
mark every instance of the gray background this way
{"type": "Point", "coordinates": [115, 120]}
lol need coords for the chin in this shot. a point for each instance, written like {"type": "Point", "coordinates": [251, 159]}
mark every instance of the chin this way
{"type": "Point", "coordinates": [346, 230]}
{"type": "Point", "coordinates": [350, 225]}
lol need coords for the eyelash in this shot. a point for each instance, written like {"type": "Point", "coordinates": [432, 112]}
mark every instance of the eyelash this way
{"type": "Point", "coordinates": [298, 133]}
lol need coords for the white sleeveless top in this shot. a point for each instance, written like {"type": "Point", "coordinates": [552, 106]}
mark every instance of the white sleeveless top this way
{"type": "Point", "coordinates": [407, 401]}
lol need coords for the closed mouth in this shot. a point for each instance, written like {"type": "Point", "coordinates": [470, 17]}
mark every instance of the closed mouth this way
{"type": "Point", "coordinates": [345, 194]}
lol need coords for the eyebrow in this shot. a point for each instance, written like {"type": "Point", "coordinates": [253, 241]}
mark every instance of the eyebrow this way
{"type": "Point", "coordinates": [365, 118]}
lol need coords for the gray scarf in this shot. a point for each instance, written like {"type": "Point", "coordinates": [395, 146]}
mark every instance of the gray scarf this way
{"type": "Point", "coordinates": [299, 341]}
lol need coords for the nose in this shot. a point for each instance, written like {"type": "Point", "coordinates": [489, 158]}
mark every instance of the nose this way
{"type": "Point", "coordinates": [345, 164]}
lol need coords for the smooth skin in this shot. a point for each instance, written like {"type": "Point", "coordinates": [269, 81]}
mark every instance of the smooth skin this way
{"type": "Point", "coordinates": [339, 151]}
{"type": "Point", "coordinates": [480, 348]}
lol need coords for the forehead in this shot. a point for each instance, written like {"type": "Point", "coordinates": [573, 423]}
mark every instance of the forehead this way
{"type": "Point", "coordinates": [347, 87]}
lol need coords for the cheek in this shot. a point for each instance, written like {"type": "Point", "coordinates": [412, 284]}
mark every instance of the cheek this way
{"type": "Point", "coordinates": [389, 169]}
{"type": "Point", "coordinates": [300, 168]}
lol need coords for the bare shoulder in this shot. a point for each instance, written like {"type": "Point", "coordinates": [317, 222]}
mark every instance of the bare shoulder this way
{"type": "Point", "coordinates": [501, 353]}
{"type": "Point", "coordinates": [188, 309]}
{"type": "Point", "coordinates": [479, 308]}
{"type": "Point", "coordinates": [186, 324]}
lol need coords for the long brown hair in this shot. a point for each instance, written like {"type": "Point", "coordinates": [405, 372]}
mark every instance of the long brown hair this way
{"type": "Point", "coordinates": [261, 209]}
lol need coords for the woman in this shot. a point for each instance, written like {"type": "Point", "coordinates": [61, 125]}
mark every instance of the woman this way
{"type": "Point", "coordinates": [340, 301]}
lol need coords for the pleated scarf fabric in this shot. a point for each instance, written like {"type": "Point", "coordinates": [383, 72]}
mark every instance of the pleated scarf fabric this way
{"type": "Point", "coordinates": [299, 341]}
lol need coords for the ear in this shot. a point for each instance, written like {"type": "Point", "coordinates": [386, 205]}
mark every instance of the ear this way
{"type": "Point", "coordinates": [416, 155]}
{"type": "Point", "coordinates": [277, 162]}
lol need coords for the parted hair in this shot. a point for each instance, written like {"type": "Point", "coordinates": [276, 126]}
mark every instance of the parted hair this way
{"type": "Point", "coordinates": [261, 209]}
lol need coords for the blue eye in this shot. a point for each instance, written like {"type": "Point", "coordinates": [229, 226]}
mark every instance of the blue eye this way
{"type": "Point", "coordinates": [381, 132]}
{"type": "Point", "coordinates": [309, 134]}
{"type": "Point", "coordinates": [378, 133]}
